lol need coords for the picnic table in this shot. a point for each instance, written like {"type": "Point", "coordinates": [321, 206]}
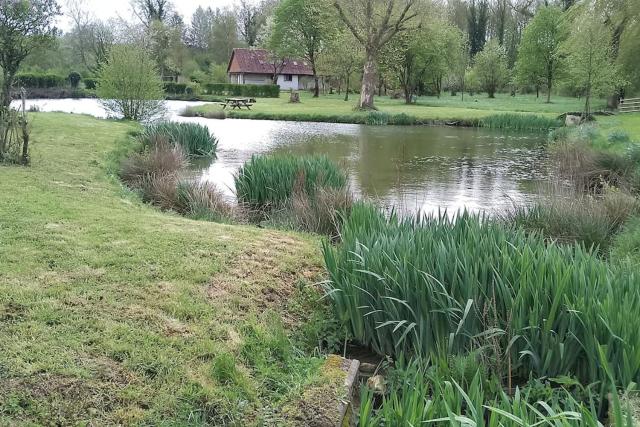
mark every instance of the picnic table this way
{"type": "Point", "coordinates": [238, 103]}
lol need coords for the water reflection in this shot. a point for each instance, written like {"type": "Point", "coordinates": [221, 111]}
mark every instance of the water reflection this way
{"type": "Point", "coordinates": [411, 168]}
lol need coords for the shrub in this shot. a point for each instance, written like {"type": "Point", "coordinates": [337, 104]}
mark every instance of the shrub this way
{"type": "Point", "coordinates": [202, 201]}
{"type": "Point", "coordinates": [130, 86]}
{"type": "Point", "coordinates": [74, 79]}
{"type": "Point", "coordinates": [256, 91]}
{"type": "Point", "coordinates": [519, 122]}
{"type": "Point", "coordinates": [266, 182]}
{"type": "Point", "coordinates": [195, 139]}
{"type": "Point", "coordinates": [437, 287]}
{"type": "Point", "coordinates": [175, 88]}
{"type": "Point", "coordinates": [90, 83]}
{"type": "Point", "coordinates": [40, 80]}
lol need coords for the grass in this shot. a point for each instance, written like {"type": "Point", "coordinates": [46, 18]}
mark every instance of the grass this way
{"type": "Point", "coordinates": [520, 122]}
{"type": "Point", "coordinates": [114, 313]}
{"type": "Point", "coordinates": [333, 108]}
{"type": "Point", "coordinates": [438, 287]}
{"type": "Point", "coordinates": [266, 182]}
{"type": "Point", "coordinates": [195, 139]}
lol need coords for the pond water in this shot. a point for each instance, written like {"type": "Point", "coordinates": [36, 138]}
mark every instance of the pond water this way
{"type": "Point", "coordinates": [419, 168]}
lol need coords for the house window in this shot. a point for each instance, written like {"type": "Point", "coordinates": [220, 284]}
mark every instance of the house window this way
{"type": "Point", "coordinates": [288, 78]}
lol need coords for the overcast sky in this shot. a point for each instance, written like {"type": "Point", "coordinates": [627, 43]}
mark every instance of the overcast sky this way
{"type": "Point", "coordinates": [105, 9]}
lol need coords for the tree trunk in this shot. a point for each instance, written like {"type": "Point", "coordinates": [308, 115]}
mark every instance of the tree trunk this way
{"type": "Point", "coordinates": [368, 83]}
{"type": "Point", "coordinates": [7, 80]}
{"type": "Point", "coordinates": [316, 88]}
{"type": "Point", "coordinates": [346, 92]}
{"type": "Point", "coordinates": [537, 91]}
{"type": "Point", "coordinates": [549, 83]}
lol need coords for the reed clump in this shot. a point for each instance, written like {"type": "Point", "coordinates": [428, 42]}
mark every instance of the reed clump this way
{"type": "Point", "coordinates": [195, 139]}
{"type": "Point", "coordinates": [436, 287]}
{"type": "Point", "coordinates": [522, 122]}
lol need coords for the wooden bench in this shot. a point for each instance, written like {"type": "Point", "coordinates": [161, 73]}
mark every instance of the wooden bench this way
{"type": "Point", "coordinates": [629, 105]}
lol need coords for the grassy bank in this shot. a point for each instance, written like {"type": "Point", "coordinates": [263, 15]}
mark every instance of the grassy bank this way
{"type": "Point", "coordinates": [428, 110]}
{"type": "Point", "coordinates": [112, 312]}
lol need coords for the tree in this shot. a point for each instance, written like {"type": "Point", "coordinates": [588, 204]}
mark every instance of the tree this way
{"type": "Point", "coordinates": [149, 11]}
{"type": "Point", "coordinates": [440, 50]}
{"type": "Point", "coordinates": [491, 67]}
{"type": "Point", "coordinates": [250, 19]}
{"type": "Point", "coordinates": [478, 18]}
{"type": "Point", "coordinates": [129, 84]}
{"type": "Point", "coordinates": [278, 46]}
{"type": "Point", "coordinates": [224, 35]}
{"type": "Point", "coordinates": [309, 25]}
{"type": "Point", "coordinates": [374, 23]}
{"type": "Point", "coordinates": [588, 51]}
{"type": "Point", "coordinates": [199, 32]}
{"type": "Point", "coordinates": [342, 58]}
{"type": "Point", "coordinates": [25, 25]}
{"type": "Point", "coordinates": [540, 55]}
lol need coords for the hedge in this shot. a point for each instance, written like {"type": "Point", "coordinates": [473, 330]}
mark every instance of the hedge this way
{"type": "Point", "coordinates": [175, 88]}
{"type": "Point", "coordinates": [90, 83]}
{"type": "Point", "coordinates": [228, 89]}
{"type": "Point", "coordinates": [40, 80]}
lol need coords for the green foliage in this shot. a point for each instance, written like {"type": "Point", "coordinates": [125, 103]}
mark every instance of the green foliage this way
{"type": "Point", "coordinates": [590, 221]}
{"type": "Point", "coordinates": [25, 27]}
{"type": "Point", "coordinates": [540, 57]}
{"type": "Point", "coordinates": [519, 122]}
{"type": "Point", "coordinates": [228, 89]}
{"type": "Point", "coordinates": [195, 139]}
{"type": "Point", "coordinates": [129, 84]}
{"type": "Point", "coordinates": [40, 80]}
{"type": "Point", "coordinates": [424, 396]}
{"type": "Point", "coordinates": [74, 79]}
{"type": "Point", "coordinates": [627, 243]}
{"type": "Point", "coordinates": [437, 287]}
{"type": "Point", "coordinates": [618, 136]}
{"type": "Point", "coordinates": [266, 182]}
{"type": "Point", "coordinates": [175, 88]}
{"type": "Point", "coordinates": [378, 118]}
{"type": "Point", "coordinates": [90, 83]}
{"type": "Point", "coordinates": [491, 68]}
{"type": "Point", "coordinates": [589, 58]}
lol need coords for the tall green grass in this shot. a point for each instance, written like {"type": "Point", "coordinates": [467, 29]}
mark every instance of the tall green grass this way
{"type": "Point", "coordinates": [266, 182]}
{"type": "Point", "coordinates": [519, 122]}
{"type": "Point", "coordinates": [436, 287]}
{"type": "Point", "coordinates": [195, 139]}
{"type": "Point", "coordinates": [421, 395]}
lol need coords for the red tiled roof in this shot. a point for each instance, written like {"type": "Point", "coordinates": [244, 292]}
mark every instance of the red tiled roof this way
{"type": "Point", "coordinates": [257, 61]}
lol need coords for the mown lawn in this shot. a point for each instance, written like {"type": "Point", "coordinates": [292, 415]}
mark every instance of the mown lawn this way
{"type": "Point", "coordinates": [427, 108]}
{"type": "Point", "coordinates": [113, 313]}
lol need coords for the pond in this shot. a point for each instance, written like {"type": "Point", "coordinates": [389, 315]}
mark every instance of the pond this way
{"type": "Point", "coordinates": [413, 169]}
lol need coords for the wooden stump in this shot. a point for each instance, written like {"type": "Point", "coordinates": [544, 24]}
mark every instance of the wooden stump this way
{"type": "Point", "coordinates": [294, 98]}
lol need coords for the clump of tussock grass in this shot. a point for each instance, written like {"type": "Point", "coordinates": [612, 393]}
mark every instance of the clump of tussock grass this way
{"type": "Point", "coordinates": [590, 170]}
{"type": "Point", "coordinates": [568, 217]}
{"type": "Point", "coordinates": [519, 122]}
{"type": "Point", "coordinates": [194, 112]}
{"type": "Point", "coordinates": [158, 159]}
{"type": "Point", "coordinates": [195, 139]}
{"type": "Point", "coordinates": [203, 201]}
{"type": "Point", "coordinates": [267, 182]}
{"type": "Point", "coordinates": [436, 287]}
{"type": "Point", "coordinates": [322, 214]}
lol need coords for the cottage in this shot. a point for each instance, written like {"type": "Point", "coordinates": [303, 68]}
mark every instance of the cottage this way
{"type": "Point", "coordinates": [256, 67]}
